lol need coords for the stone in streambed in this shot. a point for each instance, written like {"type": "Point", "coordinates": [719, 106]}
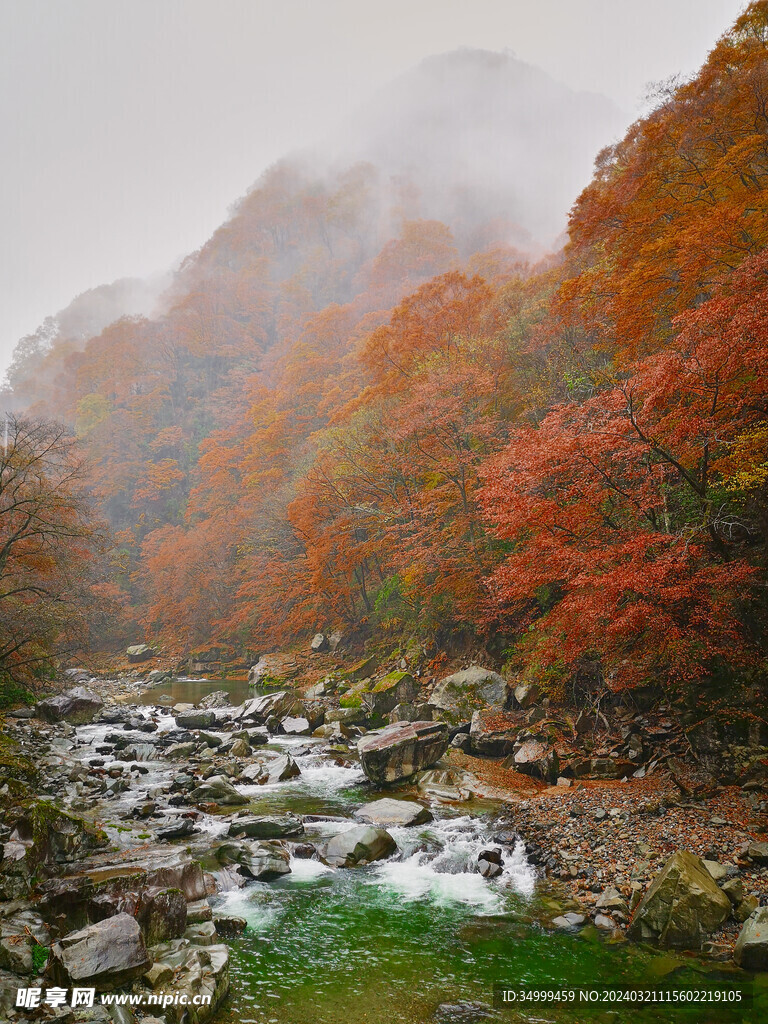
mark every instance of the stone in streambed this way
{"type": "Point", "coordinates": [359, 845]}
{"type": "Point", "coordinates": [281, 768]}
{"type": "Point", "coordinates": [402, 749]}
{"type": "Point", "coordinates": [272, 826]}
{"type": "Point", "coordinates": [78, 706]}
{"type": "Point", "coordinates": [218, 790]}
{"type": "Point", "coordinates": [196, 719]}
{"type": "Point", "coordinates": [751, 949]}
{"type": "Point", "coordinates": [260, 860]}
{"type": "Point", "coordinates": [682, 906]}
{"type": "Point", "coordinates": [389, 812]}
{"type": "Point", "coordinates": [106, 954]}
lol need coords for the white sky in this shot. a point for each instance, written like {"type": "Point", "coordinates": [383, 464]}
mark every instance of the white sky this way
{"type": "Point", "coordinates": [129, 126]}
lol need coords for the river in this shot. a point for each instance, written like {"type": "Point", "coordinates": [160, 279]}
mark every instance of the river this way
{"type": "Point", "coordinates": [416, 938]}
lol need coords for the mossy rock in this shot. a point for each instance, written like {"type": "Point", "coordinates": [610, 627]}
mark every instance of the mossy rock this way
{"type": "Point", "coordinates": [14, 766]}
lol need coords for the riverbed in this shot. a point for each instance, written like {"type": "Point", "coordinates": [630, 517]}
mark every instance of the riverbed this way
{"type": "Point", "coordinates": [420, 937]}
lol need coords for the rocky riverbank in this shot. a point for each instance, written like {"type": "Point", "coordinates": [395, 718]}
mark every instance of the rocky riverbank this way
{"type": "Point", "coordinates": [123, 824]}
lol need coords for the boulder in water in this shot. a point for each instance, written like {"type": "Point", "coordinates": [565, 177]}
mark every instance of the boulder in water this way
{"type": "Point", "coordinates": [359, 845]}
{"type": "Point", "coordinates": [387, 812]}
{"type": "Point", "coordinates": [402, 749]}
{"type": "Point", "coordinates": [218, 790]}
{"type": "Point", "coordinates": [261, 860]}
{"type": "Point", "coordinates": [272, 826]}
{"type": "Point", "coordinates": [197, 718]}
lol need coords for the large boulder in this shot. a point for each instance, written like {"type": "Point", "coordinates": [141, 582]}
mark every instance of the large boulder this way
{"type": "Point", "coordinates": [259, 709]}
{"type": "Point", "coordinates": [359, 845]}
{"type": "Point", "coordinates": [280, 769]}
{"type": "Point", "coordinates": [218, 790]}
{"type": "Point", "coordinates": [493, 732]}
{"type": "Point", "coordinates": [395, 688]}
{"type": "Point", "coordinates": [402, 749]}
{"type": "Point", "coordinates": [198, 718]}
{"type": "Point", "coordinates": [458, 696]}
{"type": "Point", "coordinates": [264, 861]}
{"type": "Point", "coordinates": [200, 973]}
{"type": "Point", "coordinates": [751, 949]}
{"type": "Point", "coordinates": [389, 812]}
{"type": "Point", "coordinates": [272, 668]}
{"type": "Point", "coordinates": [139, 652]}
{"type": "Point", "coordinates": [77, 706]}
{"type": "Point", "coordinates": [271, 826]}
{"type": "Point", "coordinates": [533, 757]}
{"type": "Point", "coordinates": [682, 906]}
{"type": "Point", "coordinates": [106, 954]}
{"type": "Point", "coordinates": [161, 914]}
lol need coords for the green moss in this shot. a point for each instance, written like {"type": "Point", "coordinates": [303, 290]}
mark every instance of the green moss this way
{"type": "Point", "coordinates": [39, 958]}
{"type": "Point", "coordinates": [351, 700]}
{"type": "Point", "coordinates": [14, 765]}
{"type": "Point", "coordinates": [390, 680]}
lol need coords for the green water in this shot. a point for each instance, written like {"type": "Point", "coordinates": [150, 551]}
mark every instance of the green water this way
{"type": "Point", "coordinates": [344, 948]}
{"type": "Point", "coordinates": [390, 943]}
{"type": "Point", "coordinates": [190, 691]}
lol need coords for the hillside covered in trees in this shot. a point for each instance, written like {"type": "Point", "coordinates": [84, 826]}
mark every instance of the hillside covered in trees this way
{"type": "Point", "coordinates": [347, 413]}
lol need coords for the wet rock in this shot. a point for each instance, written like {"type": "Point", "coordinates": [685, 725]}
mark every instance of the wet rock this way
{"type": "Point", "coordinates": [751, 949]}
{"type": "Point", "coordinates": [267, 826]}
{"type": "Point", "coordinates": [260, 860]}
{"type": "Point", "coordinates": [253, 774]}
{"type": "Point", "coordinates": [196, 719]}
{"type": "Point", "coordinates": [291, 726]}
{"type": "Point", "coordinates": [230, 925]}
{"type": "Point", "coordinates": [201, 973]}
{"type": "Point", "coordinates": [78, 706]}
{"type": "Point", "coordinates": [490, 863]}
{"type": "Point", "coordinates": [463, 1012]}
{"type": "Point", "coordinates": [161, 914]}
{"type": "Point", "coordinates": [359, 845]}
{"type": "Point", "coordinates": [282, 768]}
{"type": "Point", "coordinates": [218, 790]}
{"type": "Point", "coordinates": [388, 813]}
{"type": "Point", "coordinates": [181, 751]}
{"type": "Point", "coordinates": [493, 732]}
{"type": "Point", "coordinates": [401, 749]}
{"type": "Point", "coordinates": [682, 906]}
{"type": "Point", "coordinates": [457, 696]}
{"type": "Point", "coordinates": [217, 699]}
{"type": "Point", "coordinates": [178, 829]}
{"type": "Point", "coordinates": [259, 709]}
{"type": "Point", "coordinates": [105, 955]}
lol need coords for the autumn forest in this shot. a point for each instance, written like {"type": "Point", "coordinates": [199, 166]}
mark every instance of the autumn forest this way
{"type": "Point", "coordinates": [345, 413]}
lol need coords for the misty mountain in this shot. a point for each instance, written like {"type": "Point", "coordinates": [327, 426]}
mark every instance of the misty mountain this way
{"type": "Point", "coordinates": [485, 138]}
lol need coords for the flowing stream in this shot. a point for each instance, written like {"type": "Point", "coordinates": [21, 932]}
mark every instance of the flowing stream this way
{"type": "Point", "coordinates": [398, 940]}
